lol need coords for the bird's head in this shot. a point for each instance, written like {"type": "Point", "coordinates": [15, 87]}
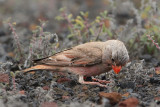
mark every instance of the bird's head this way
{"type": "Point", "coordinates": [115, 54]}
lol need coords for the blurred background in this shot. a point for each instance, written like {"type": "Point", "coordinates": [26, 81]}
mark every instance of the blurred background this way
{"type": "Point", "coordinates": [31, 29]}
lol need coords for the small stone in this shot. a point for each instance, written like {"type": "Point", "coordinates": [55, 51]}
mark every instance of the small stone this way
{"type": "Point", "coordinates": [4, 78]}
{"type": "Point", "coordinates": [126, 94]}
{"type": "Point", "coordinates": [61, 80]}
{"type": "Point", "coordinates": [154, 61]}
{"type": "Point", "coordinates": [130, 90]}
{"type": "Point", "coordinates": [154, 80]}
{"type": "Point", "coordinates": [22, 92]}
{"type": "Point", "coordinates": [146, 57]}
{"type": "Point", "coordinates": [65, 97]}
{"type": "Point", "coordinates": [84, 88]}
{"type": "Point", "coordinates": [49, 104]}
{"type": "Point", "coordinates": [131, 102]}
{"type": "Point", "coordinates": [46, 87]}
{"type": "Point", "coordinates": [72, 83]}
{"type": "Point", "coordinates": [157, 70]}
{"type": "Point", "coordinates": [113, 97]}
{"type": "Point", "coordinates": [126, 84]}
{"type": "Point", "coordinates": [11, 54]}
{"type": "Point", "coordinates": [2, 32]}
{"type": "Point", "coordinates": [134, 95]}
{"type": "Point", "coordinates": [157, 99]}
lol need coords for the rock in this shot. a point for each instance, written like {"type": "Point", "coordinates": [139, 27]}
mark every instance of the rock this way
{"type": "Point", "coordinates": [72, 83]}
{"type": "Point", "coordinates": [113, 97]}
{"type": "Point", "coordinates": [154, 104]}
{"type": "Point", "coordinates": [155, 80]}
{"type": "Point", "coordinates": [157, 99]}
{"type": "Point", "coordinates": [127, 84]}
{"type": "Point", "coordinates": [126, 95]}
{"type": "Point", "coordinates": [45, 87]}
{"type": "Point", "coordinates": [131, 102]}
{"type": "Point", "coordinates": [2, 32]}
{"type": "Point", "coordinates": [4, 78]}
{"type": "Point", "coordinates": [154, 61]}
{"type": "Point", "coordinates": [106, 103]}
{"type": "Point", "coordinates": [65, 97]}
{"type": "Point", "coordinates": [146, 57]}
{"type": "Point", "coordinates": [157, 70]}
{"type": "Point", "coordinates": [85, 88]}
{"type": "Point", "coordinates": [61, 80]}
{"type": "Point", "coordinates": [130, 90]}
{"type": "Point", "coordinates": [49, 104]}
{"type": "Point", "coordinates": [134, 95]}
{"type": "Point", "coordinates": [1, 103]}
{"type": "Point", "coordinates": [22, 92]}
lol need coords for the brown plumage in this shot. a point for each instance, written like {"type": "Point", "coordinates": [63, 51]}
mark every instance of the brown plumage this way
{"type": "Point", "coordinates": [87, 59]}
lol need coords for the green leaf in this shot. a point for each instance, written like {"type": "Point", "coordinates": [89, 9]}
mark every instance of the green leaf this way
{"type": "Point", "coordinates": [59, 18]}
{"type": "Point", "coordinates": [105, 12]}
{"type": "Point", "coordinates": [62, 9]}
{"type": "Point", "coordinates": [70, 16]}
{"type": "Point", "coordinates": [86, 14]}
{"type": "Point", "coordinates": [91, 31]}
{"type": "Point", "coordinates": [109, 33]}
{"type": "Point", "coordinates": [148, 8]}
{"type": "Point", "coordinates": [104, 29]}
{"type": "Point", "coordinates": [47, 33]}
{"type": "Point", "coordinates": [79, 22]}
{"type": "Point", "coordinates": [82, 13]}
{"type": "Point", "coordinates": [70, 36]}
{"type": "Point", "coordinates": [97, 20]}
{"type": "Point", "coordinates": [79, 17]}
{"type": "Point", "coordinates": [12, 74]}
{"type": "Point", "coordinates": [98, 17]}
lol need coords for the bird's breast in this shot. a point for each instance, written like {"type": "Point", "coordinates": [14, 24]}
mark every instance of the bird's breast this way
{"type": "Point", "coordinates": [90, 70]}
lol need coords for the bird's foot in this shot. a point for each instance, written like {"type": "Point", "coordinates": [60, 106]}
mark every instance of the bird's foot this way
{"type": "Point", "coordinates": [94, 83]}
{"type": "Point", "coordinates": [100, 81]}
{"type": "Point", "coordinates": [81, 80]}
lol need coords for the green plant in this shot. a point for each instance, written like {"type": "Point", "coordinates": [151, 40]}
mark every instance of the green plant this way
{"type": "Point", "coordinates": [150, 16]}
{"type": "Point", "coordinates": [16, 39]}
{"type": "Point", "coordinates": [152, 42]}
{"type": "Point", "coordinates": [42, 43]}
{"type": "Point", "coordinates": [149, 25]}
{"type": "Point", "coordinates": [82, 29]}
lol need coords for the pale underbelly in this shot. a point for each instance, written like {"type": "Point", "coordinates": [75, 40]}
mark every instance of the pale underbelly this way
{"type": "Point", "coordinates": [89, 71]}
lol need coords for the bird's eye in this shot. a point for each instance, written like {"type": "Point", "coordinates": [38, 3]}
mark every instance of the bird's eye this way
{"type": "Point", "coordinates": [112, 60]}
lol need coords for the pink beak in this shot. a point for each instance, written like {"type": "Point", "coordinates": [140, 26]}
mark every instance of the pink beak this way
{"type": "Point", "coordinates": [116, 69]}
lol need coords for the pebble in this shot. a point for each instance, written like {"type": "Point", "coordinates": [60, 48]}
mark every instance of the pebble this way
{"type": "Point", "coordinates": [155, 80]}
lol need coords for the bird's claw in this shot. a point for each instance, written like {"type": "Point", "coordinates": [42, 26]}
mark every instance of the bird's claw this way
{"type": "Point", "coordinates": [81, 80]}
{"type": "Point", "coordinates": [101, 81]}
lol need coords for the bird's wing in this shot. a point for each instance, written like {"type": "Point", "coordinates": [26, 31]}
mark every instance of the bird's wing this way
{"type": "Point", "coordinates": [82, 55]}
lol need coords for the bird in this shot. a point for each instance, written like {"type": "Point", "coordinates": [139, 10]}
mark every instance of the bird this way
{"type": "Point", "coordinates": [86, 60]}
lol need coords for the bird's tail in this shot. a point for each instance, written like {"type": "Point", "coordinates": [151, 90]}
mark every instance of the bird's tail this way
{"type": "Point", "coordinates": [41, 67]}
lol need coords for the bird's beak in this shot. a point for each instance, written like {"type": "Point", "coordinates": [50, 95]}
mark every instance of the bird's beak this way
{"type": "Point", "coordinates": [116, 69]}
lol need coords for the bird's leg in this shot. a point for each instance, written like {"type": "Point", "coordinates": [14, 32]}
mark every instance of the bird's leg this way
{"type": "Point", "coordinates": [100, 81]}
{"type": "Point", "coordinates": [81, 80]}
